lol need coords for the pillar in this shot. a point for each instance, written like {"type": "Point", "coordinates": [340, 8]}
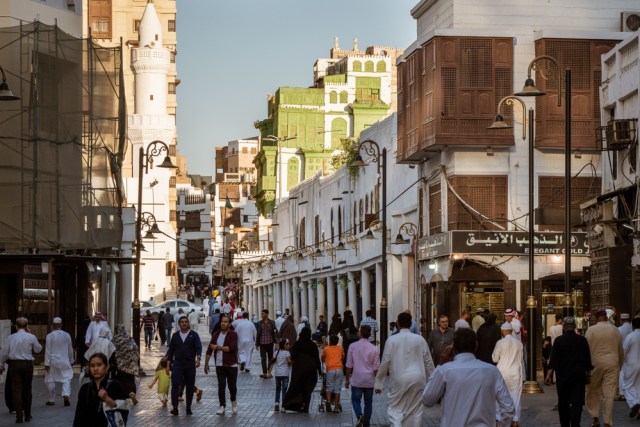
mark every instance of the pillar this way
{"type": "Point", "coordinates": [113, 309]}
{"type": "Point", "coordinates": [270, 298]}
{"type": "Point", "coordinates": [125, 291]}
{"type": "Point", "coordinates": [261, 305]}
{"type": "Point", "coordinates": [277, 288]}
{"type": "Point", "coordinates": [365, 288]}
{"type": "Point", "coordinates": [342, 294]}
{"type": "Point", "coordinates": [313, 317]}
{"type": "Point", "coordinates": [353, 295]}
{"type": "Point", "coordinates": [304, 299]}
{"type": "Point", "coordinates": [331, 300]}
{"type": "Point", "coordinates": [320, 295]}
{"type": "Point", "coordinates": [287, 295]}
{"type": "Point", "coordinates": [296, 298]}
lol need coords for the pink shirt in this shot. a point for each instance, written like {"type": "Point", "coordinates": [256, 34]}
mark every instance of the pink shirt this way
{"type": "Point", "coordinates": [364, 359]}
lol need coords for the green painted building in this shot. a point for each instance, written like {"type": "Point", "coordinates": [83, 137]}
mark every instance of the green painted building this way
{"type": "Point", "coordinates": [306, 126]}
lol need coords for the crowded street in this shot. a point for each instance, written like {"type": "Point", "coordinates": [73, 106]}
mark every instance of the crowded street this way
{"type": "Point", "coordinates": [255, 404]}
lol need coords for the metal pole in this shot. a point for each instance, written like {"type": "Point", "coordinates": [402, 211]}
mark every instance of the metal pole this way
{"type": "Point", "coordinates": [136, 270]}
{"type": "Point", "coordinates": [531, 386]}
{"type": "Point", "coordinates": [384, 327]}
{"type": "Point", "coordinates": [568, 303]}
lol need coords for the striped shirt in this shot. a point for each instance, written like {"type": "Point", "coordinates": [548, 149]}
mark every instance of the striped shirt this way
{"type": "Point", "coordinates": [148, 322]}
{"type": "Point", "coordinates": [374, 327]}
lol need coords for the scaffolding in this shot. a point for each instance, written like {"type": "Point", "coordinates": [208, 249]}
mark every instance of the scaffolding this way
{"type": "Point", "coordinates": [62, 144]}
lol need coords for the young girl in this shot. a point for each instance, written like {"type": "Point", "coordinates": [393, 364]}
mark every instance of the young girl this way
{"type": "Point", "coordinates": [92, 395]}
{"type": "Point", "coordinates": [281, 371]}
{"type": "Point", "coordinates": [163, 381]}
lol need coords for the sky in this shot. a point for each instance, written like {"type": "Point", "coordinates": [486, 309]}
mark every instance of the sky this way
{"type": "Point", "coordinates": [233, 53]}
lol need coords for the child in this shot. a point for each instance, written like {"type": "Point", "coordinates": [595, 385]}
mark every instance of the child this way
{"type": "Point", "coordinates": [163, 381]}
{"type": "Point", "coordinates": [281, 371]}
{"type": "Point", "coordinates": [332, 357]}
{"type": "Point", "coordinates": [546, 354]}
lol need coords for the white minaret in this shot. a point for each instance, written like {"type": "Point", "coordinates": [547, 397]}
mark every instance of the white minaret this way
{"type": "Point", "coordinates": [150, 122]}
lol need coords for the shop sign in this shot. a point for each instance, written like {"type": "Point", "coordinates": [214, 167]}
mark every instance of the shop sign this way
{"type": "Point", "coordinates": [500, 243]}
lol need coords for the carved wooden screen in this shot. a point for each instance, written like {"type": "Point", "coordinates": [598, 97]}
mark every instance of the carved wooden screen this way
{"type": "Point", "coordinates": [100, 18]}
{"type": "Point", "coordinates": [486, 194]}
{"type": "Point", "coordinates": [583, 58]}
{"type": "Point", "coordinates": [435, 209]}
{"type": "Point", "coordinates": [551, 194]}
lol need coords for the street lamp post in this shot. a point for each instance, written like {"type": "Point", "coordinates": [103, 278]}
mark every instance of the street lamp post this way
{"type": "Point", "coordinates": [154, 149]}
{"type": "Point", "coordinates": [412, 230]}
{"type": "Point", "coordinates": [372, 149]}
{"type": "Point", "coordinates": [531, 386]}
{"type": "Point", "coordinates": [530, 89]}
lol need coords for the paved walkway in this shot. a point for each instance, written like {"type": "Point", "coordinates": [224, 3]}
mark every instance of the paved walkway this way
{"type": "Point", "coordinates": [255, 401]}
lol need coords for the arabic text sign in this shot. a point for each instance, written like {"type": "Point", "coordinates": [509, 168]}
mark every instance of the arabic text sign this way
{"type": "Point", "coordinates": [500, 243]}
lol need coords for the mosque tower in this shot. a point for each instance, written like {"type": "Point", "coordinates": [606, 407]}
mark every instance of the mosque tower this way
{"type": "Point", "coordinates": [150, 62]}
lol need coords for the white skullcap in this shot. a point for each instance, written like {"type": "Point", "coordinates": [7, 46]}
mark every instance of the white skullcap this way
{"type": "Point", "coordinates": [278, 312]}
{"type": "Point", "coordinates": [506, 326]}
{"type": "Point", "coordinates": [625, 316]}
{"type": "Point", "coordinates": [609, 313]}
{"type": "Point", "coordinates": [57, 320]}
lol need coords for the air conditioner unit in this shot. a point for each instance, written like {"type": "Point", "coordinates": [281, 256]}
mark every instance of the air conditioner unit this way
{"type": "Point", "coordinates": [629, 21]}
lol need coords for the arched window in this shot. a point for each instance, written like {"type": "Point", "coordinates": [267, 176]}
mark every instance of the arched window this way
{"type": "Point", "coordinates": [357, 66]}
{"type": "Point", "coordinates": [301, 233]}
{"type": "Point", "coordinates": [338, 132]}
{"type": "Point", "coordinates": [368, 66]}
{"type": "Point", "coordinates": [293, 167]}
{"type": "Point", "coordinates": [333, 97]}
{"type": "Point", "coordinates": [344, 97]}
{"type": "Point", "coordinates": [381, 67]}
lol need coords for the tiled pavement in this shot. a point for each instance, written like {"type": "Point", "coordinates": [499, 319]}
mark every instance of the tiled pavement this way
{"type": "Point", "coordinates": [255, 401]}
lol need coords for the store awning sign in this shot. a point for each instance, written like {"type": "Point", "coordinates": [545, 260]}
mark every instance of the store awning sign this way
{"type": "Point", "coordinates": [500, 243]}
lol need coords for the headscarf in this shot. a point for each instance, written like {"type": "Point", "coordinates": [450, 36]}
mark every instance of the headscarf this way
{"type": "Point", "coordinates": [127, 358]}
{"type": "Point", "coordinates": [336, 324]}
{"type": "Point", "coordinates": [101, 345]}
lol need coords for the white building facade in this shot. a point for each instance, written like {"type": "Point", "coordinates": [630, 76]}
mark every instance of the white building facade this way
{"type": "Point", "coordinates": [322, 261]}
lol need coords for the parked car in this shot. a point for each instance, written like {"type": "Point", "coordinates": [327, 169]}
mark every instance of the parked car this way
{"type": "Point", "coordinates": [174, 305]}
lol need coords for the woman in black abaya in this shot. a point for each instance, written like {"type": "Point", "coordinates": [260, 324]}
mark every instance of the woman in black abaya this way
{"type": "Point", "coordinates": [304, 373]}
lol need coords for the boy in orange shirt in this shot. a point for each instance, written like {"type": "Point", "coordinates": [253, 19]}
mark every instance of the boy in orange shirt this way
{"type": "Point", "coordinates": [332, 357]}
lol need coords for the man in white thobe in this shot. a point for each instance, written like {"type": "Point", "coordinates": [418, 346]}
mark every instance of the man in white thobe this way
{"type": "Point", "coordinates": [508, 357]}
{"type": "Point", "coordinates": [408, 362]}
{"type": "Point", "coordinates": [630, 374]}
{"type": "Point", "coordinates": [279, 319]}
{"type": "Point", "coordinates": [58, 361]}
{"type": "Point", "coordinates": [511, 316]}
{"type": "Point", "coordinates": [625, 329]}
{"type": "Point", "coordinates": [472, 392]}
{"type": "Point", "coordinates": [479, 319]}
{"type": "Point", "coordinates": [93, 331]}
{"type": "Point", "coordinates": [246, 340]}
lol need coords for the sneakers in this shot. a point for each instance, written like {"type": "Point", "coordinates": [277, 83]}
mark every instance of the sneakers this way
{"type": "Point", "coordinates": [220, 411]}
{"type": "Point", "coordinates": [360, 422]}
{"type": "Point", "coordinates": [234, 407]}
{"type": "Point", "coordinates": [198, 395]}
{"type": "Point", "coordinates": [276, 408]}
{"type": "Point", "coordinates": [174, 411]}
{"type": "Point", "coordinates": [632, 414]}
{"type": "Point", "coordinates": [132, 396]}
{"type": "Point", "coordinates": [66, 401]}
{"type": "Point", "coordinates": [247, 371]}
{"type": "Point", "coordinates": [327, 406]}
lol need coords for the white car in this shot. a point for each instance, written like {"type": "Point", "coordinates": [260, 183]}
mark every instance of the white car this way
{"type": "Point", "coordinates": [174, 305]}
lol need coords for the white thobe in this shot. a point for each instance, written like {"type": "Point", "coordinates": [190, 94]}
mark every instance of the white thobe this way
{"type": "Point", "coordinates": [93, 331]}
{"type": "Point", "coordinates": [517, 328]}
{"type": "Point", "coordinates": [477, 322]}
{"type": "Point", "coordinates": [58, 356]}
{"type": "Point", "coordinates": [554, 332]}
{"type": "Point", "coordinates": [630, 373]}
{"type": "Point", "coordinates": [406, 380]}
{"type": "Point", "coordinates": [470, 391]}
{"type": "Point", "coordinates": [508, 356]}
{"type": "Point", "coordinates": [246, 339]}
{"type": "Point", "coordinates": [193, 319]}
{"type": "Point", "coordinates": [625, 329]}
{"type": "Point", "coordinates": [279, 321]}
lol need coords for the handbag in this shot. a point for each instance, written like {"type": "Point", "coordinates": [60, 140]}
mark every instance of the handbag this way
{"type": "Point", "coordinates": [116, 417]}
{"type": "Point", "coordinates": [272, 362]}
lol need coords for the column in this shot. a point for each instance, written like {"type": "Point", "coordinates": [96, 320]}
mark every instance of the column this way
{"type": "Point", "coordinates": [277, 288]}
{"type": "Point", "coordinates": [112, 297]}
{"type": "Point", "coordinates": [287, 295]}
{"type": "Point", "coordinates": [379, 292]}
{"type": "Point", "coordinates": [254, 301]}
{"type": "Point", "coordinates": [313, 317]}
{"type": "Point", "coordinates": [353, 296]}
{"type": "Point", "coordinates": [365, 288]}
{"type": "Point", "coordinates": [304, 298]}
{"type": "Point", "coordinates": [261, 306]}
{"type": "Point", "coordinates": [331, 300]}
{"type": "Point", "coordinates": [296, 298]}
{"type": "Point", "coordinates": [271, 301]}
{"type": "Point", "coordinates": [125, 291]}
{"type": "Point", "coordinates": [320, 295]}
{"type": "Point", "coordinates": [342, 294]}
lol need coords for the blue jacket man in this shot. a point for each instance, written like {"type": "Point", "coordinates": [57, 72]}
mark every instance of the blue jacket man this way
{"type": "Point", "coordinates": [184, 354]}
